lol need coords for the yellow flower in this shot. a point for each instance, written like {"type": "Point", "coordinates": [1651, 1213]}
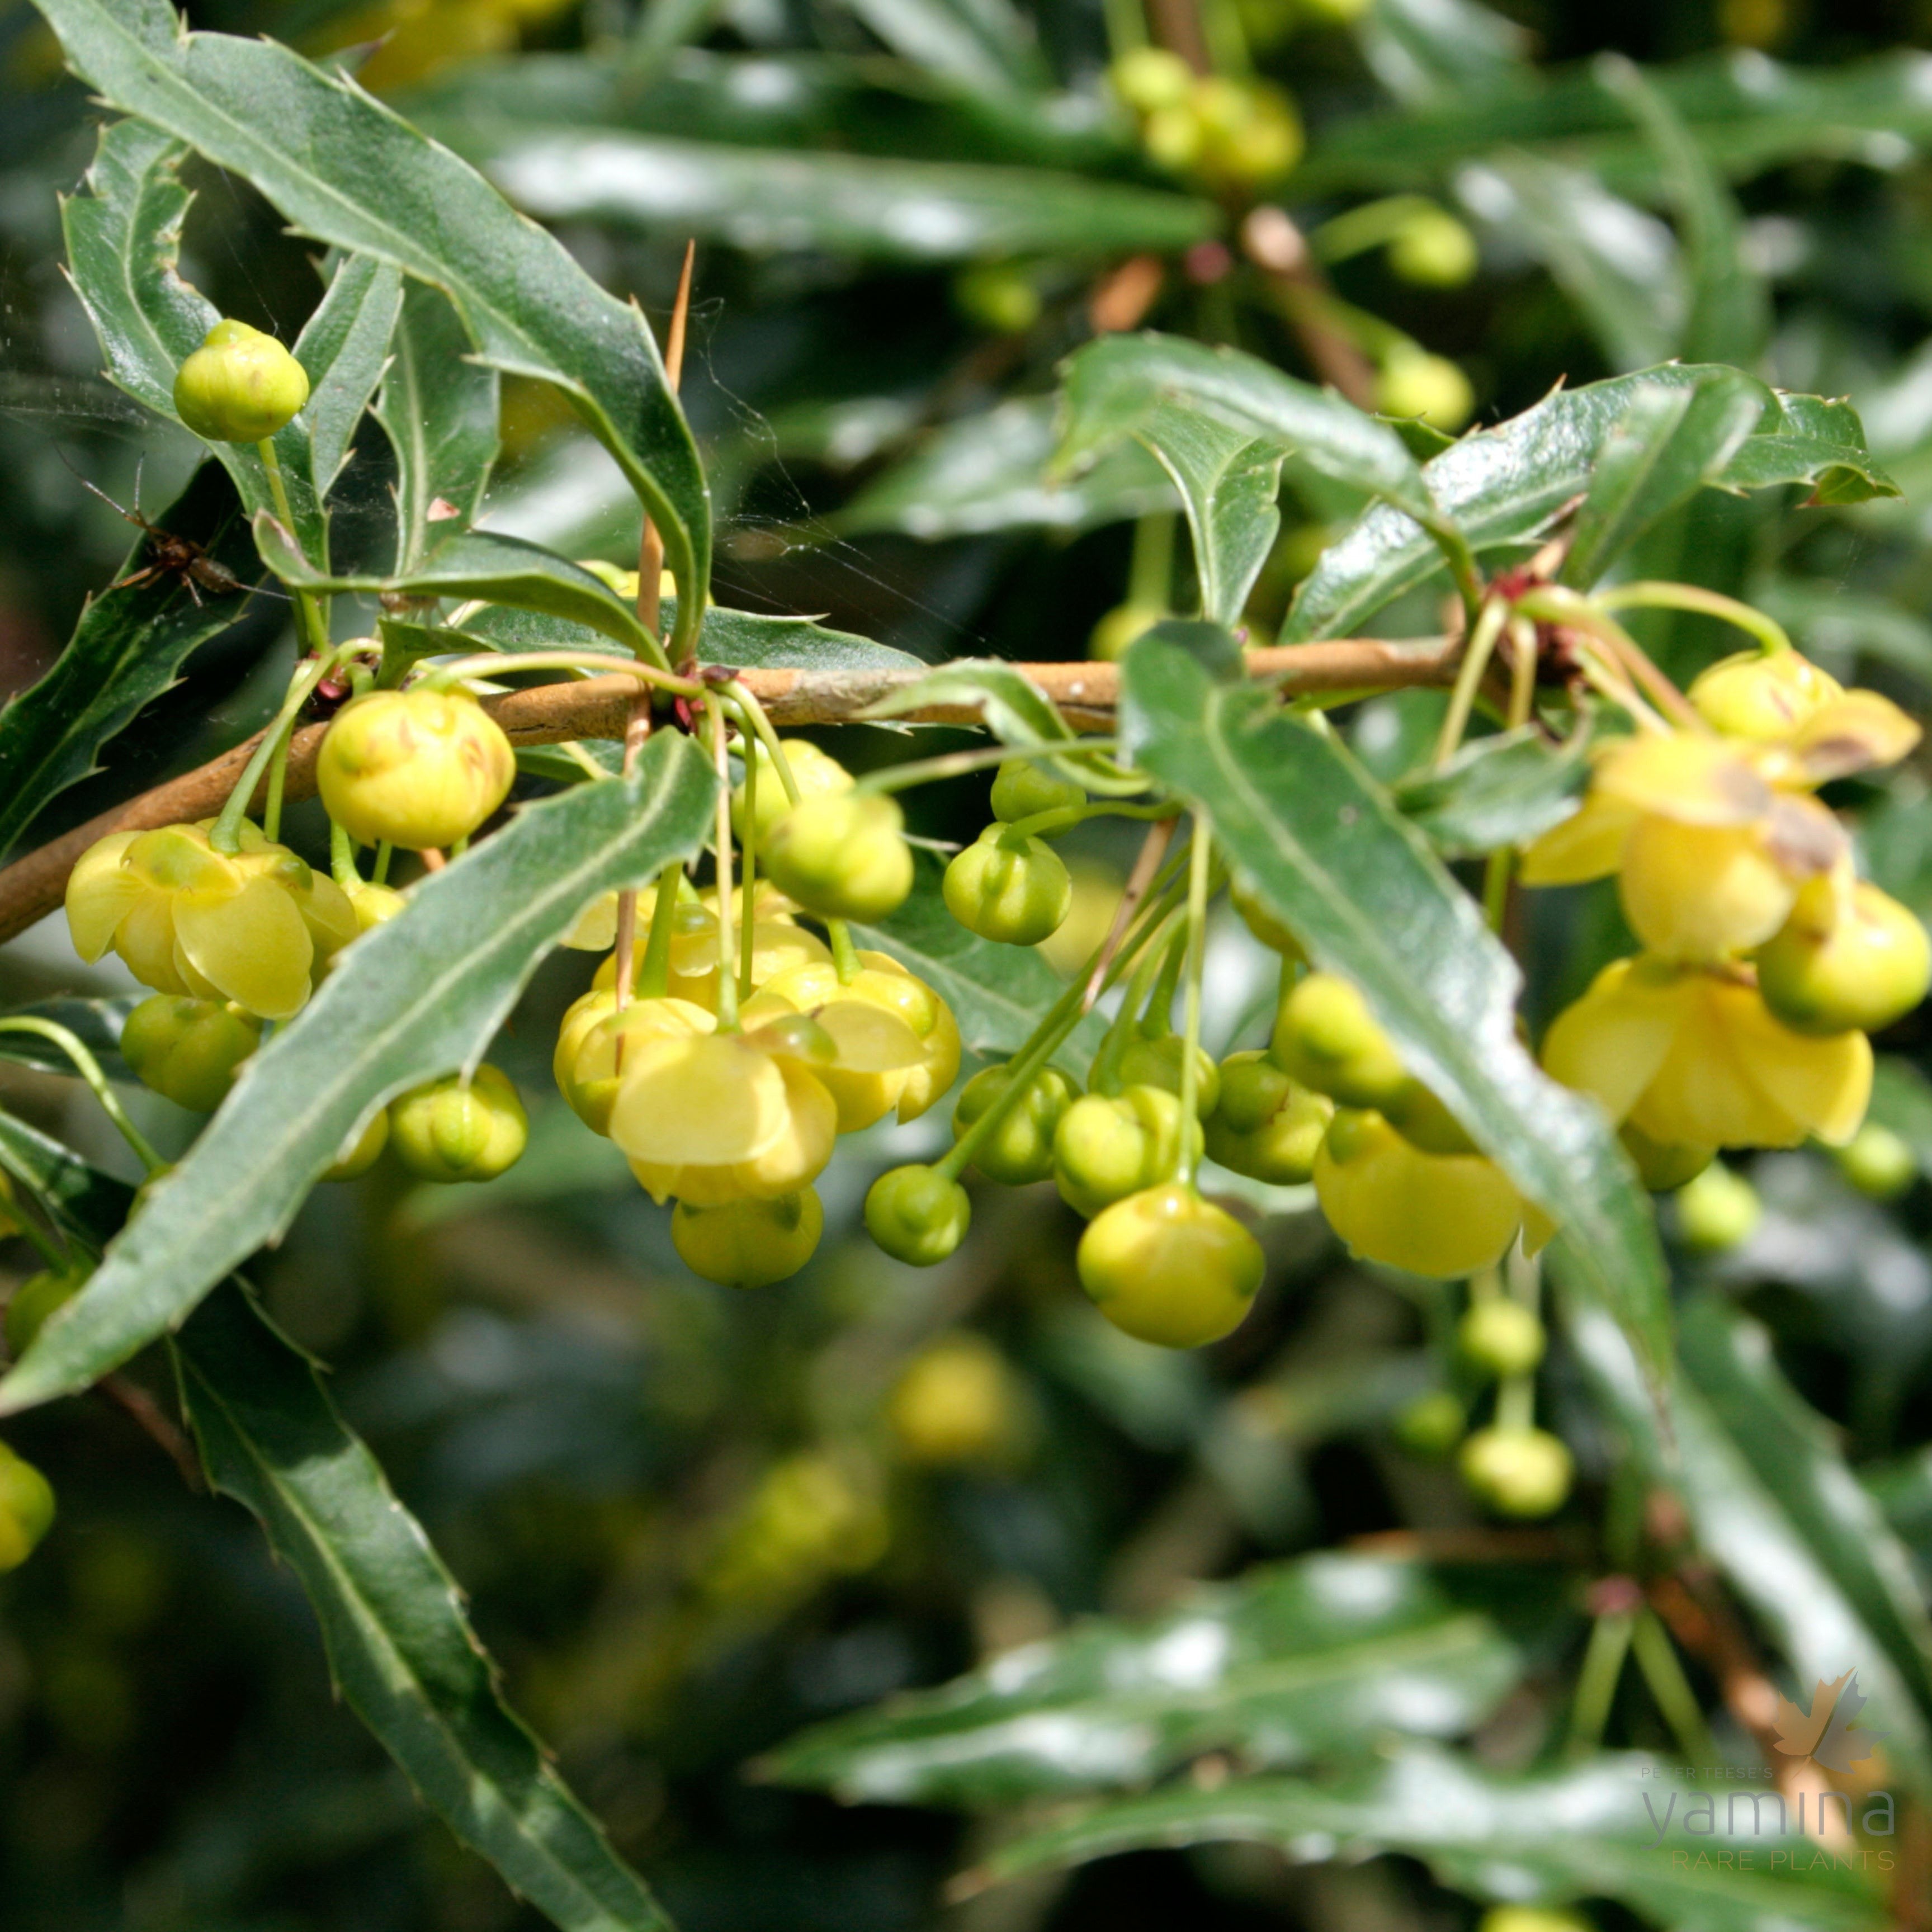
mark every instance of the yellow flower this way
{"type": "Point", "coordinates": [256, 927]}
{"type": "Point", "coordinates": [777, 946]}
{"type": "Point", "coordinates": [1692, 1057]}
{"type": "Point", "coordinates": [594, 1037]}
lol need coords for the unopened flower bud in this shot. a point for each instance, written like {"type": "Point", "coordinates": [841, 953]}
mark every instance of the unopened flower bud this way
{"type": "Point", "coordinates": [416, 769]}
{"type": "Point", "coordinates": [239, 386]}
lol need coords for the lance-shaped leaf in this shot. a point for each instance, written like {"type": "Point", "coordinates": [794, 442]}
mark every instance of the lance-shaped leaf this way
{"type": "Point", "coordinates": [1502, 487]}
{"type": "Point", "coordinates": [1228, 482]}
{"type": "Point", "coordinates": [439, 411]}
{"type": "Point", "coordinates": [1290, 1663]}
{"type": "Point", "coordinates": [1332, 858]}
{"type": "Point", "coordinates": [401, 1649]}
{"type": "Point", "coordinates": [344, 168]}
{"type": "Point", "coordinates": [1501, 791]}
{"type": "Point", "coordinates": [990, 472]}
{"type": "Point", "coordinates": [124, 246]}
{"type": "Point", "coordinates": [399, 1645]}
{"type": "Point", "coordinates": [998, 994]}
{"type": "Point", "coordinates": [477, 563]}
{"type": "Point", "coordinates": [1114, 387]}
{"type": "Point", "coordinates": [1771, 1502]}
{"type": "Point", "coordinates": [127, 649]}
{"type": "Point", "coordinates": [415, 998]}
{"type": "Point", "coordinates": [1424, 50]}
{"type": "Point", "coordinates": [1668, 444]}
{"type": "Point", "coordinates": [986, 45]}
{"type": "Point", "coordinates": [1730, 307]}
{"type": "Point", "coordinates": [764, 200]}
{"type": "Point", "coordinates": [1545, 1839]}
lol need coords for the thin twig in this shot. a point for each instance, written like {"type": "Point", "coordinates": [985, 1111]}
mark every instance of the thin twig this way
{"type": "Point", "coordinates": [148, 1415]}
{"type": "Point", "coordinates": [1153, 849]}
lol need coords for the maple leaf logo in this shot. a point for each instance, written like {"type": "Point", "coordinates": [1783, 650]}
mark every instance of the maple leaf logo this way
{"type": "Point", "coordinates": [1828, 1733]}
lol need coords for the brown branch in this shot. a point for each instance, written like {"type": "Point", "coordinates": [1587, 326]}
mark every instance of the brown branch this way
{"type": "Point", "coordinates": [600, 707]}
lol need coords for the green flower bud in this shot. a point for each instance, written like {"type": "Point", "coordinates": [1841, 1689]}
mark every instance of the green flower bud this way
{"type": "Point", "coordinates": [1878, 1162]}
{"type": "Point", "coordinates": [1417, 386]}
{"type": "Point", "coordinates": [1262, 923]}
{"type": "Point", "coordinates": [841, 855]}
{"type": "Point", "coordinates": [816, 773]}
{"type": "Point", "coordinates": [1662, 1168]}
{"type": "Point", "coordinates": [1433, 250]}
{"type": "Point", "coordinates": [1147, 78]}
{"type": "Point", "coordinates": [1121, 626]}
{"type": "Point", "coordinates": [1325, 1036]}
{"type": "Point", "coordinates": [1843, 961]}
{"type": "Point", "coordinates": [239, 386]}
{"type": "Point", "coordinates": [1531, 1918]}
{"type": "Point", "coordinates": [956, 1403]}
{"type": "Point", "coordinates": [26, 1508]}
{"type": "Point", "coordinates": [917, 1215]}
{"type": "Point", "coordinates": [1519, 1472]}
{"type": "Point", "coordinates": [1719, 1209]}
{"type": "Point", "coordinates": [1008, 888]}
{"type": "Point", "coordinates": [419, 769]}
{"type": "Point", "coordinates": [1158, 1063]}
{"type": "Point", "coordinates": [1108, 1146]}
{"type": "Point", "coordinates": [37, 1298]}
{"type": "Point", "coordinates": [749, 1243]}
{"type": "Point", "coordinates": [189, 1050]}
{"type": "Point", "coordinates": [1501, 1337]}
{"type": "Point", "coordinates": [1432, 1425]}
{"type": "Point", "coordinates": [1020, 1149]}
{"type": "Point", "coordinates": [998, 295]}
{"type": "Point", "coordinates": [1422, 1119]}
{"type": "Point", "coordinates": [454, 1129]}
{"type": "Point", "coordinates": [1266, 1125]}
{"type": "Point", "coordinates": [1024, 787]}
{"type": "Point", "coordinates": [1166, 1267]}
{"type": "Point", "coordinates": [374, 905]}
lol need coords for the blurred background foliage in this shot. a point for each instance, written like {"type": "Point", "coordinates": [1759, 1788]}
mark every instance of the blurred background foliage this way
{"type": "Point", "coordinates": [693, 1521]}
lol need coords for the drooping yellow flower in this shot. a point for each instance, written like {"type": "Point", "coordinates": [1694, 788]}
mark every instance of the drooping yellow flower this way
{"type": "Point", "coordinates": [1692, 1057]}
{"type": "Point", "coordinates": [256, 927]}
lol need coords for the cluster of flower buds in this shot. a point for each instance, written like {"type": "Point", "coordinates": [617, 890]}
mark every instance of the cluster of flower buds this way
{"type": "Point", "coordinates": [1230, 135]}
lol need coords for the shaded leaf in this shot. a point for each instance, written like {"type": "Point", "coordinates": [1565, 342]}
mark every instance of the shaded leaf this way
{"type": "Point", "coordinates": [1228, 484]}
{"type": "Point", "coordinates": [1291, 1663]}
{"type": "Point", "coordinates": [984, 44]}
{"type": "Point", "coordinates": [413, 999]}
{"type": "Point", "coordinates": [767, 200]}
{"type": "Point", "coordinates": [478, 563]}
{"type": "Point", "coordinates": [1331, 857]}
{"type": "Point", "coordinates": [1667, 446]}
{"type": "Point", "coordinates": [400, 1647]}
{"type": "Point", "coordinates": [1547, 1838]}
{"type": "Point", "coordinates": [127, 649]}
{"type": "Point", "coordinates": [343, 168]}
{"type": "Point", "coordinates": [96, 1023]}
{"type": "Point", "coordinates": [1806, 1595]}
{"type": "Point", "coordinates": [1503, 486]}
{"type": "Point", "coordinates": [440, 413]}
{"type": "Point", "coordinates": [343, 350]}
{"type": "Point", "coordinates": [989, 472]}
{"type": "Point", "coordinates": [1501, 791]}
{"type": "Point", "coordinates": [1427, 50]}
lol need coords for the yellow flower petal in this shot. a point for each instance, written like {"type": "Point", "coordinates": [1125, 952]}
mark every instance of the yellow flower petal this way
{"type": "Point", "coordinates": [1707, 1092]}
{"type": "Point", "coordinates": [1589, 845]}
{"type": "Point", "coordinates": [1683, 775]}
{"type": "Point", "coordinates": [1702, 892]}
{"type": "Point", "coordinates": [251, 944]}
{"type": "Point", "coordinates": [1853, 733]}
{"type": "Point", "coordinates": [1611, 1043]}
{"type": "Point", "coordinates": [1823, 1083]}
{"type": "Point", "coordinates": [705, 1101]}
{"type": "Point", "coordinates": [799, 1155]}
{"type": "Point", "coordinates": [101, 892]}
{"type": "Point", "coordinates": [146, 940]}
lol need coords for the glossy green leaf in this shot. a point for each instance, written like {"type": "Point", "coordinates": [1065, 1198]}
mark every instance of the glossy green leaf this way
{"type": "Point", "coordinates": [747, 640]}
{"type": "Point", "coordinates": [1620, 266]}
{"type": "Point", "coordinates": [1331, 857]}
{"type": "Point", "coordinates": [415, 998]}
{"type": "Point", "coordinates": [1228, 483]}
{"type": "Point", "coordinates": [343, 168]}
{"type": "Point", "coordinates": [1501, 791]}
{"type": "Point", "coordinates": [1760, 1482]}
{"type": "Point", "coordinates": [1504, 487]}
{"type": "Point", "coordinates": [770, 200]}
{"type": "Point", "coordinates": [344, 350]}
{"type": "Point", "coordinates": [998, 994]}
{"type": "Point", "coordinates": [1729, 314]}
{"type": "Point", "coordinates": [985, 45]}
{"type": "Point", "coordinates": [1114, 387]}
{"type": "Point", "coordinates": [400, 1647]}
{"type": "Point", "coordinates": [1013, 708]}
{"type": "Point", "coordinates": [1668, 444]}
{"type": "Point", "coordinates": [1550, 1838]}
{"type": "Point", "coordinates": [401, 1650]}
{"type": "Point", "coordinates": [477, 563]}
{"type": "Point", "coordinates": [989, 472]}
{"type": "Point", "coordinates": [1292, 1662]}
{"type": "Point", "coordinates": [127, 649]}
{"type": "Point", "coordinates": [439, 413]}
